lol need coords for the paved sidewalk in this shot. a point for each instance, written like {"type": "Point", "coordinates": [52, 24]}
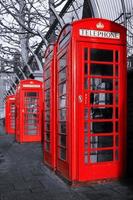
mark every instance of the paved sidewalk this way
{"type": "Point", "coordinates": [24, 177]}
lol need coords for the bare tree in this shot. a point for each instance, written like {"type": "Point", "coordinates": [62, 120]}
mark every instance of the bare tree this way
{"type": "Point", "coordinates": [21, 22]}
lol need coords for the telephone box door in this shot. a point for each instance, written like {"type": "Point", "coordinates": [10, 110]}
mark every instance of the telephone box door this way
{"type": "Point", "coordinates": [32, 115]}
{"type": "Point", "coordinates": [100, 108]}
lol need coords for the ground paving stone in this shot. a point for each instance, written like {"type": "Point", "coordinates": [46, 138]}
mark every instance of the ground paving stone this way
{"type": "Point", "coordinates": [23, 176]}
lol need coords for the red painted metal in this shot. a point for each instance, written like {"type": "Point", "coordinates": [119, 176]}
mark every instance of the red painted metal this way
{"type": "Point", "coordinates": [91, 100]}
{"type": "Point", "coordinates": [29, 111]}
{"type": "Point", "coordinates": [50, 106]}
{"type": "Point", "coordinates": [10, 114]}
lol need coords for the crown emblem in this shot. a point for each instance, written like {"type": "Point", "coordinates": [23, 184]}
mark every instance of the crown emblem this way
{"type": "Point", "coordinates": [100, 25]}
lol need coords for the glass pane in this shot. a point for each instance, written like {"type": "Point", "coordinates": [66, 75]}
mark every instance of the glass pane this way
{"type": "Point", "coordinates": [47, 104]}
{"type": "Point", "coordinates": [117, 70]}
{"type": "Point", "coordinates": [47, 73]}
{"type": "Point", "coordinates": [116, 126]}
{"type": "Point", "coordinates": [86, 113]}
{"type": "Point", "coordinates": [86, 145]}
{"type": "Point", "coordinates": [62, 127]}
{"type": "Point", "coordinates": [62, 75]}
{"type": "Point", "coordinates": [101, 69]}
{"type": "Point", "coordinates": [62, 114]}
{"type": "Point", "coordinates": [116, 84]}
{"type": "Point", "coordinates": [101, 113]}
{"type": "Point", "coordinates": [101, 156]}
{"type": "Point", "coordinates": [62, 88]}
{"type": "Point", "coordinates": [47, 84]}
{"type": "Point", "coordinates": [101, 55]}
{"type": "Point", "coordinates": [101, 127]}
{"type": "Point", "coordinates": [86, 128]}
{"type": "Point", "coordinates": [47, 126]}
{"type": "Point", "coordinates": [85, 53]}
{"type": "Point", "coordinates": [48, 136]}
{"type": "Point", "coordinates": [117, 154]}
{"type": "Point", "coordinates": [116, 56]}
{"type": "Point", "coordinates": [86, 158]}
{"type": "Point", "coordinates": [117, 113]}
{"type": "Point", "coordinates": [101, 141]}
{"type": "Point", "coordinates": [101, 98]}
{"type": "Point", "coordinates": [47, 115]}
{"type": "Point", "coordinates": [62, 140]}
{"type": "Point", "coordinates": [86, 83]}
{"type": "Point", "coordinates": [47, 146]}
{"type": "Point", "coordinates": [117, 140]}
{"type": "Point", "coordinates": [62, 62]}
{"type": "Point", "coordinates": [86, 68]}
{"type": "Point", "coordinates": [62, 153]}
{"type": "Point", "coordinates": [62, 101]}
{"type": "Point", "coordinates": [101, 84]}
{"type": "Point", "coordinates": [47, 94]}
{"type": "Point", "coordinates": [117, 99]}
{"type": "Point", "coordinates": [32, 94]}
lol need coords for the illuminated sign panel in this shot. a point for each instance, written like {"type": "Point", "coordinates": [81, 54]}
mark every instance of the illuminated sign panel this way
{"type": "Point", "coordinates": [100, 34]}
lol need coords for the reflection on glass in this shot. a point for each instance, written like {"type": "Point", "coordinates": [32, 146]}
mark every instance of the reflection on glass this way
{"type": "Point", "coordinates": [101, 84]}
{"type": "Point", "coordinates": [47, 94]}
{"type": "Point", "coordinates": [101, 141]}
{"type": "Point", "coordinates": [62, 62]}
{"type": "Point", "coordinates": [101, 156]}
{"type": "Point", "coordinates": [63, 101]}
{"type": "Point", "coordinates": [62, 114]}
{"type": "Point", "coordinates": [101, 127]}
{"type": "Point", "coordinates": [47, 84]}
{"type": "Point", "coordinates": [86, 83]}
{"type": "Point", "coordinates": [85, 53]}
{"type": "Point", "coordinates": [101, 69]}
{"type": "Point", "coordinates": [47, 73]}
{"type": "Point", "coordinates": [62, 75]}
{"type": "Point", "coordinates": [101, 55]}
{"type": "Point", "coordinates": [62, 88]}
{"type": "Point", "coordinates": [101, 113]}
{"type": "Point", "coordinates": [101, 98]}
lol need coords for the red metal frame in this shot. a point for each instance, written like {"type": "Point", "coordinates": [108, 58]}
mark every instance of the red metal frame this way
{"type": "Point", "coordinates": [29, 111]}
{"type": "Point", "coordinates": [10, 114]}
{"type": "Point", "coordinates": [91, 137]}
{"type": "Point", "coordinates": [50, 106]}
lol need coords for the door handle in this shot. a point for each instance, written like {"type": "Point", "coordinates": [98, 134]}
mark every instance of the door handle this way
{"type": "Point", "coordinates": [80, 98]}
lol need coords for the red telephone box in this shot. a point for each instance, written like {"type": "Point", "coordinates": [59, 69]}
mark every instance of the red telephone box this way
{"type": "Point", "coordinates": [29, 111]}
{"type": "Point", "coordinates": [50, 106]}
{"type": "Point", "coordinates": [91, 103]}
{"type": "Point", "coordinates": [10, 114]}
